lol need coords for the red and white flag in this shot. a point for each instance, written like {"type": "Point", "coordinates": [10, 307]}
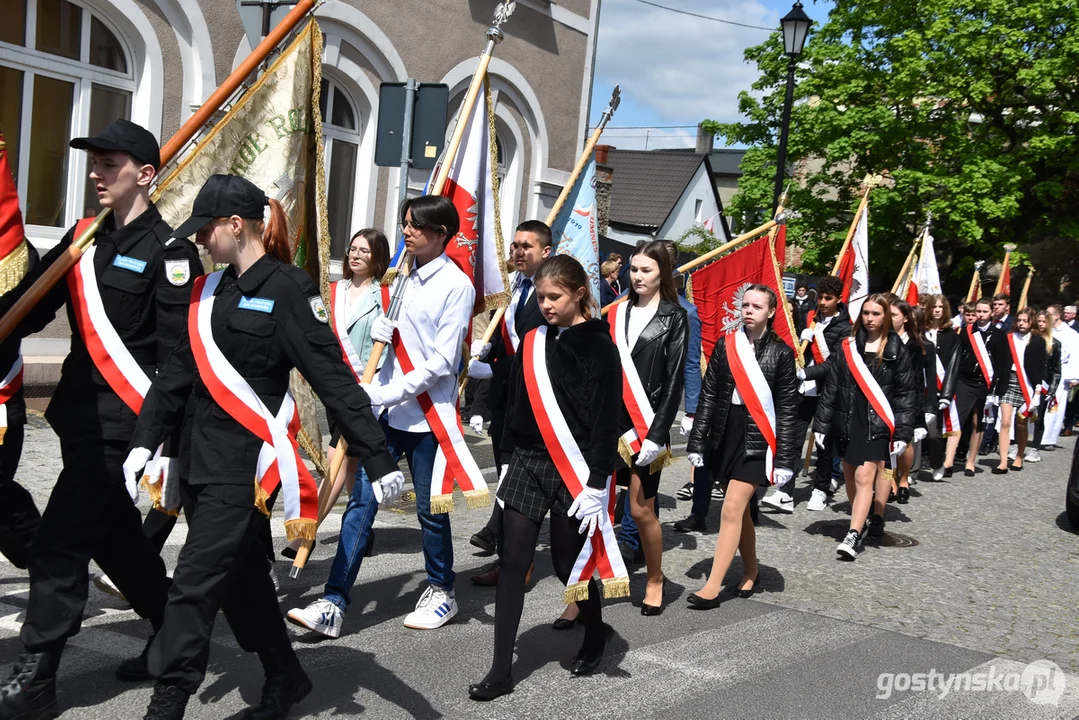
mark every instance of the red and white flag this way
{"type": "Point", "coordinates": [477, 248]}
{"type": "Point", "coordinates": [854, 267]}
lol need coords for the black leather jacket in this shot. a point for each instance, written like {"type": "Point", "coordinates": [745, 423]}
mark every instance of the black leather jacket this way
{"type": "Point", "coordinates": [660, 357]}
{"type": "Point", "coordinates": [896, 379]}
{"type": "Point", "coordinates": [710, 423]}
{"type": "Point", "coordinates": [924, 366]}
{"type": "Point", "coordinates": [1053, 370]}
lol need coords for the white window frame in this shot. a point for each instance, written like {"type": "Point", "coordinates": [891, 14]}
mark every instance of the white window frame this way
{"type": "Point", "coordinates": [334, 133]}
{"type": "Point", "coordinates": [83, 76]}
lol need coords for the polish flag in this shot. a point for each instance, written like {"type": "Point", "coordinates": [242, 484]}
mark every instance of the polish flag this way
{"type": "Point", "coordinates": [854, 268]}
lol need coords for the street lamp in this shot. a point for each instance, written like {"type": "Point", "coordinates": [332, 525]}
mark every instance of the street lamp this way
{"type": "Point", "coordinates": [795, 26]}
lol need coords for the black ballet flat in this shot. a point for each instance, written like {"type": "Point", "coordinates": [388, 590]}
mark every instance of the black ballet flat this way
{"type": "Point", "coordinates": [484, 691]}
{"type": "Point", "coordinates": [588, 665]}
{"type": "Point", "coordinates": [738, 592]}
{"type": "Point", "coordinates": [903, 495]}
{"type": "Point", "coordinates": [1015, 468]}
{"type": "Point", "coordinates": [891, 496]}
{"type": "Point", "coordinates": [565, 624]}
{"type": "Point", "coordinates": [696, 602]}
{"type": "Point", "coordinates": [1000, 471]}
{"type": "Point", "coordinates": [968, 473]}
{"type": "Point", "coordinates": [948, 472]}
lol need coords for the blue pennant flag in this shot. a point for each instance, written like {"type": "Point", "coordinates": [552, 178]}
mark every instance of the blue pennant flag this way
{"type": "Point", "coordinates": [575, 230]}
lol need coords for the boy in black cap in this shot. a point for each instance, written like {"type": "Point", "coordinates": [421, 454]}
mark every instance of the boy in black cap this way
{"type": "Point", "coordinates": [127, 304]}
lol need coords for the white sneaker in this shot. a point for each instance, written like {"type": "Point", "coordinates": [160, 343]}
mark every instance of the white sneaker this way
{"type": "Point", "coordinates": [322, 616]}
{"type": "Point", "coordinates": [102, 583]}
{"type": "Point", "coordinates": [1032, 455]}
{"type": "Point", "coordinates": [273, 577]}
{"type": "Point", "coordinates": [780, 500]}
{"type": "Point", "coordinates": [436, 607]}
{"type": "Point", "coordinates": [938, 473]}
{"type": "Point", "coordinates": [1013, 452]}
{"type": "Point", "coordinates": [818, 500]}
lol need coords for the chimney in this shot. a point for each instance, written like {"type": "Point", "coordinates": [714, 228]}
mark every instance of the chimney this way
{"type": "Point", "coordinates": [705, 140]}
{"type": "Point", "coordinates": [604, 182]}
{"type": "Point", "coordinates": [601, 154]}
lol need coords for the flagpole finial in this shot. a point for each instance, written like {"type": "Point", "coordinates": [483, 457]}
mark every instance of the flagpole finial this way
{"type": "Point", "coordinates": [502, 13]}
{"type": "Point", "coordinates": [928, 220]}
{"type": "Point", "coordinates": [978, 266]}
{"type": "Point", "coordinates": [1010, 247]}
{"type": "Point", "coordinates": [871, 181]}
{"type": "Point", "coordinates": [616, 100]}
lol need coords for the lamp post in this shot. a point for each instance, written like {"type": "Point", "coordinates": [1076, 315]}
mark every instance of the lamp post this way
{"type": "Point", "coordinates": [795, 26]}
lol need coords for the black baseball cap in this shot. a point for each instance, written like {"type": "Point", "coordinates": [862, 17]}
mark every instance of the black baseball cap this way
{"type": "Point", "coordinates": [223, 196]}
{"type": "Point", "coordinates": [124, 136]}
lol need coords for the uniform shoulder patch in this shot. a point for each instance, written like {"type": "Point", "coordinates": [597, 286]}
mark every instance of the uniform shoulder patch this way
{"type": "Point", "coordinates": [178, 271]}
{"type": "Point", "coordinates": [319, 309]}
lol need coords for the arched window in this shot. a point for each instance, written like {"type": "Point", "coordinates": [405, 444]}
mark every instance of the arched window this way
{"type": "Point", "coordinates": [341, 129]}
{"type": "Point", "coordinates": [64, 72]}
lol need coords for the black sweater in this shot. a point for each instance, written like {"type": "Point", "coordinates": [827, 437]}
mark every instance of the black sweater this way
{"type": "Point", "coordinates": [586, 375]}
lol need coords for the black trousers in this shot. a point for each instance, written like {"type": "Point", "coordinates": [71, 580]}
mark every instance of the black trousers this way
{"type": "Point", "coordinates": [18, 513]}
{"type": "Point", "coordinates": [158, 526]}
{"type": "Point", "coordinates": [822, 470]}
{"type": "Point", "coordinates": [89, 516]}
{"type": "Point", "coordinates": [222, 566]}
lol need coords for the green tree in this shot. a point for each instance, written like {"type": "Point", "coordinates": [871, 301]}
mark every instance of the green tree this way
{"type": "Point", "coordinates": [969, 106]}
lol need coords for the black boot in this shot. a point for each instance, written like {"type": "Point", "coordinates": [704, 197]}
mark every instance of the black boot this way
{"type": "Point", "coordinates": [29, 692]}
{"type": "Point", "coordinates": [136, 669]}
{"type": "Point", "coordinates": [167, 703]}
{"type": "Point", "coordinates": [286, 683]}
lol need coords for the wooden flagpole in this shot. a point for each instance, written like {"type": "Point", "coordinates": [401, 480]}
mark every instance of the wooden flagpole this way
{"type": "Point", "coordinates": [1026, 289]}
{"type": "Point", "coordinates": [904, 273]}
{"type": "Point", "coordinates": [1005, 269]}
{"type": "Point", "coordinates": [976, 281]}
{"type": "Point", "coordinates": [60, 267]}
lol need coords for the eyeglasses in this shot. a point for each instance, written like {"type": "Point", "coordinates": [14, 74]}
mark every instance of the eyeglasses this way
{"type": "Point", "coordinates": [359, 251]}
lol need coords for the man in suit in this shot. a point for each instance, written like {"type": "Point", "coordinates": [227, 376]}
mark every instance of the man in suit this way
{"type": "Point", "coordinates": [608, 285]}
{"type": "Point", "coordinates": [531, 245]}
{"type": "Point", "coordinates": [1001, 307]}
{"type": "Point", "coordinates": [1069, 317]}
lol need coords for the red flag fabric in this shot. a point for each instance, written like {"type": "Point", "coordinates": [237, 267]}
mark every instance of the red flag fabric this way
{"type": "Point", "coordinates": [912, 293]}
{"type": "Point", "coordinates": [718, 290]}
{"type": "Point", "coordinates": [1006, 276]}
{"type": "Point", "coordinates": [11, 227]}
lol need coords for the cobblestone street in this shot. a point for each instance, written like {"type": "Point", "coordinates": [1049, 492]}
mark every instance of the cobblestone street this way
{"type": "Point", "coordinates": [974, 573]}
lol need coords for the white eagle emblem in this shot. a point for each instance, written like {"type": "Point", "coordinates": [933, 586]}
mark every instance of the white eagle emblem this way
{"type": "Point", "coordinates": [731, 313]}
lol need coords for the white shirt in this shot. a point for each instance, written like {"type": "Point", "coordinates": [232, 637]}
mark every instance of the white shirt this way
{"type": "Point", "coordinates": [436, 308]}
{"type": "Point", "coordinates": [638, 319]}
{"type": "Point", "coordinates": [1069, 352]}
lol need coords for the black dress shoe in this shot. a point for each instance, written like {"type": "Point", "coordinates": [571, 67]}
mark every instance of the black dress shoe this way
{"type": "Point", "coordinates": [484, 691]}
{"type": "Point", "coordinates": [903, 495]}
{"type": "Point", "coordinates": [696, 602]}
{"type": "Point", "coordinates": [565, 623]}
{"type": "Point", "coordinates": [486, 540]}
{"type": "Point", "coordinates": [588, 664]}
{"type": "Point", "coordinates": [1000, 471]}
{"type": "Point", "coordinates": [30, 690]}
{"type": "Point", "coordinates": [690, 524]}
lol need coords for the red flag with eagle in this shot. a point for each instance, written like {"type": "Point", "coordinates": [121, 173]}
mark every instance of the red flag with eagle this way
{"type": "Point", "coordinates": [718, 289]}
{"type": "Point", "coordinates": [472, 184]}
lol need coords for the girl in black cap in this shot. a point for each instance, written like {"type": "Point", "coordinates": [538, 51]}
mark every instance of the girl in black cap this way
{"type": "Point", "coordinates": [227, 386]}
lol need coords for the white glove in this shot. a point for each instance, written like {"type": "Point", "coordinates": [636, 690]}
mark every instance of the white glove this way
{"type": "Point", "coordinates": [133, 467]}
{"type": "Point", "coordinates": [476, 423]}
{"type": "Point", "coordinates": [649, 452]}
{"type": "Point", "coordinates": [898, 446]}
{"type": "Point", "coordinates": [479, 350]}
{"type": "Point", "coordinates": [801, 373]}
{"type": "Point", "coordinates": [992, 400]}
{"type": "Point", "coordinates": [943, 403]}
{"type": "Point", "coordinates": [479, 370]}
{"type": "Point", "coordinates": [782, 476]}
{"type": "Point", "coordinates": [806, 336]}
{"type": "Point", "coordinates": [930, 419]}
{"type": "Point", "coordinates": [920, 434]}
{"type": "Point", "coordinates": [687, 425]}
{"type": "Point", "coordinates": [696, 459]}
{"type": "Point", "coordinates": [589, 508]}
{"type": "Point", "coordinates": [382, 330]}
{"type": "Point", "coordinates": [1035, 401]}
{"type": "Point", "coordinates": [374, 392]}
{"type": "Point", "coordinates": [818, 440]}
{"type": "Point", "coordinates": [158, 471]}
{"type": "Point", "coordinates": [388, 487]}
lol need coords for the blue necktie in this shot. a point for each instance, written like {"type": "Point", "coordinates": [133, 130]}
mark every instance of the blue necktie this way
{"type": "Point", "coordinates": [519, 311]}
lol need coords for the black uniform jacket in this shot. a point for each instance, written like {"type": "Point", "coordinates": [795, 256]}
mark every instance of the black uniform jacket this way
{"type": "Point", "coordinates": [281, 325]}
{"type": "Point", "coordinates": [145, 280]}
{"type": "Point", "coordinates": [660, 358]}
{"type": "Point", "coordinates": [776, 360]}
{"type": "Point", "coordinates": [586, 375]}
{"type": "Point", "coordinates": [965, 362]}
{"type": "Point", "coordinates": [9, 349]}
{"type": "Point", "coordinates": [500, 359]}
{"type": "Point", "coordinates": [1035, 362]}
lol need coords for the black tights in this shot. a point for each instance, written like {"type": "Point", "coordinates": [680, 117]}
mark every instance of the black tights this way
{"type": "Point", "coordinates": [521, 535]}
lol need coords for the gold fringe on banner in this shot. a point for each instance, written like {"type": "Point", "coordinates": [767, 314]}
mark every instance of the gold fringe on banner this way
{"type": "Point", "coordinates": [579, 591]}
{"type": "Point", "coordinates": [477, 498]}
{"type": "Point", "coordinates": [153, 491]}
{"type": "Point", "coordinates": [261, 498]}
{"type": "Point", "coordinates": [322, 230]}
{"type": "Point", "coordinates": [442, 504]}
{"type": "Point", "coordinates": [13, 267]}
{"type": "Point", "coordinates": [626, 453]}
{"type": "Point", "coordinates": [501, 299]}
{"type": "Point", "coordinates": [615, 588]}
{"type": "Point", "coordinates": [302, 528]}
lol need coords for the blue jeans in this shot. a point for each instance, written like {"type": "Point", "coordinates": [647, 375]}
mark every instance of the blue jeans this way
{"type": "Point", "coordinates": [419, 450]}
{"type": "Point", "coordinates": [702, 486]}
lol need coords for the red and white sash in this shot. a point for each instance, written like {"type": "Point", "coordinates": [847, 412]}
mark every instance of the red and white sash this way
{"type": "Point", "coordinates": [279, 461]}
{"type": "Point", "coordinates": [1021, 373]}
{"type": "Point", "coordinates": [977, 344]}
{"type": "Point", "coordinates": [869, 385]}
{"type": "Point", "coordinates": [600, 553]}
{"type": "Point", "coordinates": [338, 295]}
{"type": "Point", "coordinates": [8, 387]}
{"type": "Point", "coordinates": [950, 416]}
{"type": "Point", "coordinates": [634, 396]}
{"type": "Point", "coordinates": [755, 391]}
{"type": "Point", "coordinates": [818, 347]}
{"type": "Point", "coordinates": [453, 460]}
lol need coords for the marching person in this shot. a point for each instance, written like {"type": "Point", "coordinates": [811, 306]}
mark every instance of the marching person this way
{"type": "Point", "coordinates": [651, 332]}
{"type": "Point", "coordinates": [747, 418]}
{"type": "Point", "coordinates": [127, 303]}
{"type": "Point", "coordinates": [355, 304]}
{"type": "Point", "coordinates": [1043, 327]}
{"type": "Point", "coordinates": [419, 418]}
{"type": "Point", "coordinates": [907, 322]}
{"type": "Point", "coordinates": [968, 379]}
{"type": "Point", "coordinates": [1069, 372]}
{"type": "Point", "coordinates": [1020, 373]}
{"type": "Point", "coordinates": [869, 405]}
{"type": "Point", "coordinates": [939, 331]}
{"type": "Point", "coordinates": [226, 386]}
{"type": "Point", "coordinates": [531, 245]}
{"type": "Point", "coordinates": [1001, 307]}
{"type": "Point", "coordinates": [561, 440]}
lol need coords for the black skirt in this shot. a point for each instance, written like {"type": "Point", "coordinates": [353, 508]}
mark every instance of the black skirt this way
{"type": "Point", "coordinates": [859, 448]}
{"type": "Point", "coordinates": [970, 394]}
{"type": "Point", "coordinates": [533, 487]}
{"type": "Point", "coordinates": [649, 479]}
{"type": "Point", "coordinates": [729, 459]}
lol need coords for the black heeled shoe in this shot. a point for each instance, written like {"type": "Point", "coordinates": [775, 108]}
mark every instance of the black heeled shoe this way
{"type": "Point", "coordinates": [696, 602]}
{"type": "Point", "coordinates": [653, 610]}
{"type": "Point", "coordinates": [565, 623]}
{"type": "Point", "coordinates": [903, 496]}
{"type": "Point", "coordinates": [484, 691]}
{"type": "Point", "coordinates": [586, 665]}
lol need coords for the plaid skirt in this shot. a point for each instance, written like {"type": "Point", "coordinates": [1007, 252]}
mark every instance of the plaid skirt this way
{"type": "Point", "coordinates": [1014, 394]}
{"type": "Point", "coordinates": [533, 487]}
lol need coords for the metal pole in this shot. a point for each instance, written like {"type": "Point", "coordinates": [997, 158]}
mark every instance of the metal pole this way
{"type": "Point", "coordinates": [781, 158]}
{"type": "Point", "coordinates": [406, 141]}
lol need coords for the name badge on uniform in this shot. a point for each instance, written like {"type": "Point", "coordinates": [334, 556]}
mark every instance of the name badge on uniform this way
{"type": "Point", "coordinates": [178, 271]}
{"type": "Point", "coordinates": [263, 305]}
{"type": "Point", "coordinates": [129, 263]}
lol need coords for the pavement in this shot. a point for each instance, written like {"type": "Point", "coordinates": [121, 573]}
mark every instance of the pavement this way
{"type": "Point", "coordinates": [966, 609]}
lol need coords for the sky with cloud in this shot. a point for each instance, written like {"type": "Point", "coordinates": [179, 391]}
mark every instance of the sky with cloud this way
{"type": "Point", "coordinates": [676, 70]}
